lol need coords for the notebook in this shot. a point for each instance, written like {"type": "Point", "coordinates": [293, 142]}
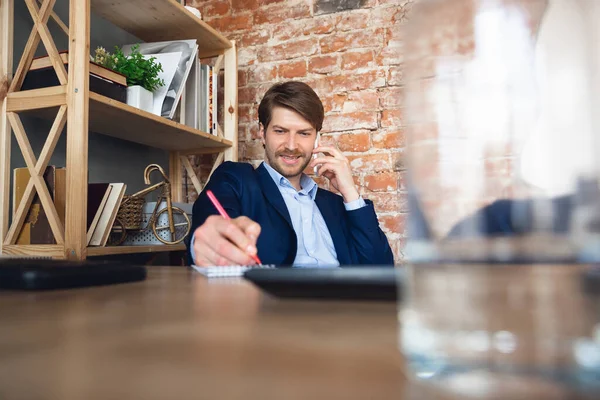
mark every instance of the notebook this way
{"type": "Point", "coordinates": [229, 270]}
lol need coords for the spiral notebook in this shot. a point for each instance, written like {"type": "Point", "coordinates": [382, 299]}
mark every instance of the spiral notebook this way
{"type": "Point", "coordinates": [228, 271]}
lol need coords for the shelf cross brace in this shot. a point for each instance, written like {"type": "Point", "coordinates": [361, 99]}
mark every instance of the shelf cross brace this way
{"type": "Point", "coordinates": [36, 181]}
{"type": "Point", "coordinates": [39, 32]}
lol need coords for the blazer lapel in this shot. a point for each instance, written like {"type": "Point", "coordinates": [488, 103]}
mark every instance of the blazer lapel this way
{"type": "Point", "coordinates": [272, 193]}
{"type": "Point", "coordinates": [335, 228]}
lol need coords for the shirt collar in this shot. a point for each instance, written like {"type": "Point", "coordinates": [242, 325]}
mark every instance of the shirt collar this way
{"type": "Point", "coordinates": [308, 185]}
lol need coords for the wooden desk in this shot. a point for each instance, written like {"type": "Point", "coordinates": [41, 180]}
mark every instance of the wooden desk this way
{"type": "Point", "coordinates": [177, 336]}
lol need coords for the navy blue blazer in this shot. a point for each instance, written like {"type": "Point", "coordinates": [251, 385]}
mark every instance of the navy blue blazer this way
{"type": "Point", "coordinates": [243, 190]}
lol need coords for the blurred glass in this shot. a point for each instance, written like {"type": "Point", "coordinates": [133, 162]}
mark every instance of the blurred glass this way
{"type": "Point", "coordinates": [502, 138]}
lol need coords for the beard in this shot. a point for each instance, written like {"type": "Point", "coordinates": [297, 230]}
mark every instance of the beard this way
{"type": "Point", "coordinates": [287, 171]}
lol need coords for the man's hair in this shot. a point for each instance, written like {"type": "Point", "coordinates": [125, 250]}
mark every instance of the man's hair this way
{"type": "Point", "coordinates": [295, 96]}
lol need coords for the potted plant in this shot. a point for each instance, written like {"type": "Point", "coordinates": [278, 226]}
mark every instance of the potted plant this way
{"type": "Point", "coordinates": [141, 72]}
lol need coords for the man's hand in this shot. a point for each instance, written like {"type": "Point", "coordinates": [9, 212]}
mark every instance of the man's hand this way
{"type": "Point", "coordinates": [336, 167]}
{"type": "Point", "coordinates": [222, 242]}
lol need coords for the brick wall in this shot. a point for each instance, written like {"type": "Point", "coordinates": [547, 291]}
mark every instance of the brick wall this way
{"type": "Point", "coordinates": [350, 52]}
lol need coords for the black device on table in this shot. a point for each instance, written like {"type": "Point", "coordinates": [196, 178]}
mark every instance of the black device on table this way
{"type": "Point", "coordinates": [43, 274]}
{"type": "Point", "coordinates": [355, 283]}
{"type": "Point", "coordinates": [347, 283]}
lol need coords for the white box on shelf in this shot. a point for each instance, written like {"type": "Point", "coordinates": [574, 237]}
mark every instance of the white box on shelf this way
{"type": "Point", "coordinates": [146, 236]}
{"type": "Point", "coordinates": [139, 97]}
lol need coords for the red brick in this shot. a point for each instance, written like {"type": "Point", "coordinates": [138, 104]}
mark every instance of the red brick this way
{"type": "Point", "coordinates": [242, 77]}
{"type": "Point", "coordinates": [303, 27]}
{"type": "Point", "coordinates": [232, 23]}
{"type": "Point", "coordinates": [291, 29]}
{"type": "Point", "coordinates": [382, 182]}
{"type": "Point", "coordinates": [342, 41]}
{"type": "Point", "coordinates": [388, 16]}
{"type": "Point", "coordinates": [323, 64]}
{"type": "Point", "coordinates": [389, 140]}
{"type": "Point", "coordinates": [388, 202]}
{"type": "Point", "coordinates": [254, 38]}
{"type": "Point", "coordinates": [334, 103]}
{"type": "Point", "coordinates": [354, 20]}
{"type": "Point", "coordinates": [267, 2]}
{"type": "Point", "coordinates": [366, 80]}
{"type": "Point", "coordinates": [352, 60]}
{"type": "Point", "coordinates": [370, 162]}
{"type": "Point", "coordinates": [248, 94]}
{"type": "Point", "coordinates": [354, 142]}
{"type": "Point", "coordinates": [289, 50]}
{"type": "Point", "coordinates": [254, 150]}
{"type": "Point", "coordinates": [247, 56]}
{"type": "Point", "coordinates": [247, 114]}
{"type": "Point", "coordinates": [262, 73]}
{"type": "Point", "coordinates": [254, 130]}
{"type": "Point", "coordinates": [296, 69]}
{"type": "Point", "coordinates": [391, 118]}
{"type": "Point", "coordinates": [364, 100]}
{"type": "Point", "coordinates": [393, 223]}
{"type": "Point", "coordinates": [244, 5]}
{"type": "Point", "coordinates": [281, 13]}
{"type": "Point", "coordinates": [392, 97]}
{"type": "Point", "coordinates": [392, 52]}
{"type": "Point", "coordinates": [350, 121]}
{"type": "Point", "coordinates": [211, 9]}
{"type": "Point", "coordinates": [324, 24]}
{"type": "Point", "coordinates": [395, 76]}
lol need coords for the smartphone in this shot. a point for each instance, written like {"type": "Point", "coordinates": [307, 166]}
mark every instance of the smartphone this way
{"type": "Point", "coordinates": [316, 168]}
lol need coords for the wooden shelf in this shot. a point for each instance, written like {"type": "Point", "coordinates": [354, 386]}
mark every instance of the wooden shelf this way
{"type": "Point", "coordinates": [113, 118]}
{"type": "Point", "coordinates": [159, 20]}
{"type": "Point", "coordinates": [115, 250]}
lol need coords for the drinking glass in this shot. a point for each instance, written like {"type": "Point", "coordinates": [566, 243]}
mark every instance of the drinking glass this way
{"type": "Point", "coordinates": [502, 136]}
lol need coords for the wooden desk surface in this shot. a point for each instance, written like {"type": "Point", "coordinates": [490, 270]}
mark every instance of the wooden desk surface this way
{"type": "Point", "coordinates": [177, 336]}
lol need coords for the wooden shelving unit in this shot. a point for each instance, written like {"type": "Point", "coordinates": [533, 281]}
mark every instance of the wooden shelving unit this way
{"type": "Point", "coordinates": [82, 111]}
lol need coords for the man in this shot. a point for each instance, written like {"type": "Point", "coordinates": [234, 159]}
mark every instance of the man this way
{"type": "Point", "coordinates": [277, 211]}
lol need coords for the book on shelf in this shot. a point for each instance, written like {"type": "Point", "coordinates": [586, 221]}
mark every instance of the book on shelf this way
{"type": "Point", "coordinates": [98, 194]}
{"type": "Point", "coordinates": [190, 111]}
{"type": "Point", "coordinates": [208, 99]}
{"type": "Point", "coordinates": [108, 215]}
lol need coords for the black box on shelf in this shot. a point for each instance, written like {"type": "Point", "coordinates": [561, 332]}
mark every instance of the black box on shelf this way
{"type": "Point", "coordinates": [102, 80]}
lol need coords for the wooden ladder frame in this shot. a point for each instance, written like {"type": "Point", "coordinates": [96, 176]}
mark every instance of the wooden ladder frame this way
{"type": "Point", "coordinates": [71, 98]}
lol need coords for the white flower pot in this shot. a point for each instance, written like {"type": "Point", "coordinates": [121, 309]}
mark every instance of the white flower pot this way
{"type": "Point", "coordinates": [139, 97]}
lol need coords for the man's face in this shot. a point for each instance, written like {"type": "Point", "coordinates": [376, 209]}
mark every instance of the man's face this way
{"type": "Point", "coordinates": [289, 140]}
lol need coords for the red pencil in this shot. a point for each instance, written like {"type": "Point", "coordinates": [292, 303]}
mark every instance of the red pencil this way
{"type": "Point", "coordinates": [223, 213]}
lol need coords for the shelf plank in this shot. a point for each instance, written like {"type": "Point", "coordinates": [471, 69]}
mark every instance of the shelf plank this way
{"type": "Point", "coordinates": [114, 250]}
{"type": "Point", "coordinates": [159, 20]}
{"type": "Point", "coordinates": [35, 250]}
{"type": "Point", "coordinates": [113, 118]}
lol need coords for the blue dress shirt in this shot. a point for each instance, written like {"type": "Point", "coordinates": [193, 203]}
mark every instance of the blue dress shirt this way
{"type": "Point", "coordinates": [315, 246]}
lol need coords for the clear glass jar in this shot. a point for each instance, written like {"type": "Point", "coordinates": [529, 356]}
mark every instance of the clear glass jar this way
{"type": "Point", "coordinates": [502, 144]}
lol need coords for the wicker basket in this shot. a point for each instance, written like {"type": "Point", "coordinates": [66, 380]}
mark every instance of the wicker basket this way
{"type": "Point", "coordinates": [130, 212]}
